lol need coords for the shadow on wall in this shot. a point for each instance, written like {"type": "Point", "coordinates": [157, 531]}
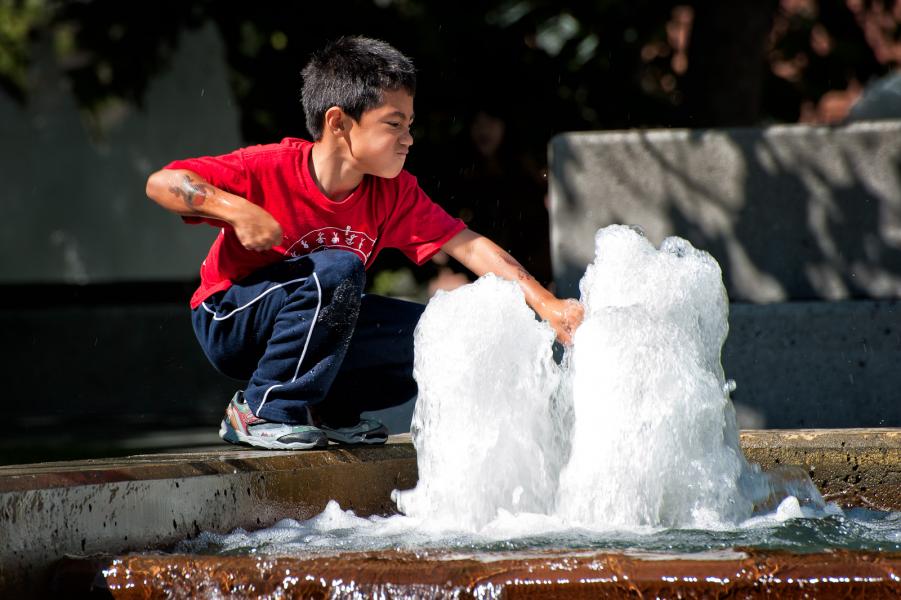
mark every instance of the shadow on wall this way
{"type": "Point", "coordinates": [790, 216]}
{"type": "Point", "coordinates": [795, 216]}
{"type": "Point", "coordinates": [803, 231]}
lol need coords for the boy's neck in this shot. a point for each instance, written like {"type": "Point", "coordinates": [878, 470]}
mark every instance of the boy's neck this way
{"type": "Point", "coordinates": [330, 170]}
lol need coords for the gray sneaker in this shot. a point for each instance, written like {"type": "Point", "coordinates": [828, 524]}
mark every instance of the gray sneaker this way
{"type": "Point", "coordinates": [241, 426]}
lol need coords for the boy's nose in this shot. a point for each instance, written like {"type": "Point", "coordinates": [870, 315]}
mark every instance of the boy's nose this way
{"type": "Point", "coordinates": [407, 139]}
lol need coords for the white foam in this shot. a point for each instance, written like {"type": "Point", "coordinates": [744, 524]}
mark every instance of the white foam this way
{"type": "Point", "coordinates": [483, 425]}
{"type": "Point", "coordinates": [636, 431]}
{"type": "Point", "coordinates": [655, 441]}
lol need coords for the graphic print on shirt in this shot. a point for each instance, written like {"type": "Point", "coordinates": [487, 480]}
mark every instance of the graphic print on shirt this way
{"type": "Point", "coordinates": [333, 237]}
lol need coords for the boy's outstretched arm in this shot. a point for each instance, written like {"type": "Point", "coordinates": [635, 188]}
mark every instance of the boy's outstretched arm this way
{"type": "Point", "coordinates": [480, 255]}
{"type": "Point", "coordinates": [187, 194]}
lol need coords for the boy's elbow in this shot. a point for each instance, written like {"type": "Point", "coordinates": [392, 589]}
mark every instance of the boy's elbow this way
{"type": "Point", "coordinates": [151, 185]}
{"type": "Point", "coordinates": [156, 184]}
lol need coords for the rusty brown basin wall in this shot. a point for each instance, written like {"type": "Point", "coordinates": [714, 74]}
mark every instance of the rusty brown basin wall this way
{"type": "Point", "coordinates": [544, 576]}
{"type": "Point", "coordinates": [137, 503]}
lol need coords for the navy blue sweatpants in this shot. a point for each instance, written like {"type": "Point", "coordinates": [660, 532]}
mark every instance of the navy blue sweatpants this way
{"type": "Point", "coordinates": [301, 332]}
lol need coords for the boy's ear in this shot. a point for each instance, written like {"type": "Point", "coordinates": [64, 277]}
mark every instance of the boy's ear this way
{"type": "Point", "coordinates": [336, 121]}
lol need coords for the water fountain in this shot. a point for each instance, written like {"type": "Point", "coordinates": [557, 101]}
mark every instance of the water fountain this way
{"type": "Point", "coordinates": [618, 472]}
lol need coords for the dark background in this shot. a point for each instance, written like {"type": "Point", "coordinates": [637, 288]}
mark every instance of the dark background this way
{"type": "Point", "coordinates": [497, 78]}
{"type": "Point", "coordinates": [89, 365]}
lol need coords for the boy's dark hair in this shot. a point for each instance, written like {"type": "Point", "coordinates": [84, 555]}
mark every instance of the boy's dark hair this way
{"type": "Point", "coordinates": [351, 73]}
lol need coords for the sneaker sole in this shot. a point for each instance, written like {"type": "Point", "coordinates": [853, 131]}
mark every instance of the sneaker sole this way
{"type": "Point", "coordinates": [351, 440]}
{"type": "Point", "coordinates": [233, 436]}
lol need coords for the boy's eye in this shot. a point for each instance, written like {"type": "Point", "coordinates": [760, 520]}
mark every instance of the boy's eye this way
{"type": "Point", "coordinates": [394, 123]}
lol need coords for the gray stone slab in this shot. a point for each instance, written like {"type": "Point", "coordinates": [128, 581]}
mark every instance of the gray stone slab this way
{"type": "Point", "coordinates": [796, 216]}
{"type": "Point", "coordinates": [815, 364]}
{"type": "Point", "coordinates": [790, 212]}
{"type": "Point", "coordinates": [119, 366]}
{"type": "Point", "coordinates": [75, 210]}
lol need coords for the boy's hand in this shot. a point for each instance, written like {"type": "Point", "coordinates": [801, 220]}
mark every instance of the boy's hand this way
{"type": "Point", "coordinates": [565, 316]}
{"type": "Point", "coordinates": [257, 229]}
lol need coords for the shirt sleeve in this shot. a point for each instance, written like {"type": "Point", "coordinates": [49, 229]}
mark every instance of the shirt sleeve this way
{"type": "Point", "coordinates": [419, 227]}
{"type": "Point", "coordinates": [226, 172]}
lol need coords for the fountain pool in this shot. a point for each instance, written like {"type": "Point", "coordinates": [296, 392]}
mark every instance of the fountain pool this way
{"type": "Point", "coordinates": [534, 473]}
{"type": "Point", "coordinates": [618, 472]}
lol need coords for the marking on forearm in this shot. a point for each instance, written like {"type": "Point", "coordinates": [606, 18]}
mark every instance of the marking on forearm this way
{"type": "Point", "coordinates": [192, 193]}
{"type": "Point", "coordinates": [521, 273]}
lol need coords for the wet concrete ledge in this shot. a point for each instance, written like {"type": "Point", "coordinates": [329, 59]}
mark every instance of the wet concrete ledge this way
{"type": "Point", "coordinates": [116, 506]}
{"type": "Point", "coordinates": [851, 467]}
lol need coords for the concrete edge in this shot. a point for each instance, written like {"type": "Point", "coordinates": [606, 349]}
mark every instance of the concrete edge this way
{"type": "Point", "coordinates": [616, 136]}
{"type": "Point", "coordinates": [221, 460]}
{"type": "Point", "coordinates": [861, 437]}
{"type": "Point", "coordinates": [854, 467]}
{"type": "Point", "coordinates": [152, 501]}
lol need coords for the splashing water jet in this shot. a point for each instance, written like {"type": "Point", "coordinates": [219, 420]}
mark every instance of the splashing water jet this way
{"type": "Point", "coordinates": [483, 425]}
{"type": "Point", "coordinates": [632, 434]}
{"type": "Point", "coordinates": [635, 430]}
{"type": "Point", "coordinates": [654, 441]}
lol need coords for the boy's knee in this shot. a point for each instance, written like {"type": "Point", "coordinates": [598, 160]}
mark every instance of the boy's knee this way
{"type": "Point", "coordinates": [341, 269]}
{"type": "Point", "coordinates": [230, 365]}
{"type": "Point", "coordinates": [231, 361]}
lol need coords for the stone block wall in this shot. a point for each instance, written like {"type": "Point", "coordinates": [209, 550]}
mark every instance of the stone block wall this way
{"type": "Point", "coordinates": [806, 225]}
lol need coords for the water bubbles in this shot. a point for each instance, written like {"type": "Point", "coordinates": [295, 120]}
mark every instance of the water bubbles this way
{"type": "Point", "coordinates": [654, 441]}
{"type": "Point", "coordinates": [635, 429]}
{"type": "Point", "coordinates": [483, 424]}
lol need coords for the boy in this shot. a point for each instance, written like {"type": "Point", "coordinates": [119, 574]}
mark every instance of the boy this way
{"type": "Point", "coordinates": [281, 301]}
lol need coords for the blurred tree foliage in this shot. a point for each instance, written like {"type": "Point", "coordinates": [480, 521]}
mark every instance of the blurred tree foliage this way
{"type": "Point", "coordinates": [558, 65]}
{"type": "Point", "coordinates": [536, 67]}
{"type": "Point", "coordinates": [19, 25]}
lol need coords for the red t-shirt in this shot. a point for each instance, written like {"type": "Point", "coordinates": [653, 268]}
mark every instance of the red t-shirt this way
{"type": "Point", "coordinates": [380, 213]}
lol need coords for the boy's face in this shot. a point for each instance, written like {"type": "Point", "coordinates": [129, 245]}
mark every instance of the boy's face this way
{"type": "Point", "coordinates": [381, 139]}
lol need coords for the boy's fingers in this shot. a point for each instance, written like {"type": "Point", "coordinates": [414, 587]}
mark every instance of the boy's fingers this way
{"type": "Point", "coordinates": [259, 239]}
{"type": "Point", "coordinates": [571, 318]}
